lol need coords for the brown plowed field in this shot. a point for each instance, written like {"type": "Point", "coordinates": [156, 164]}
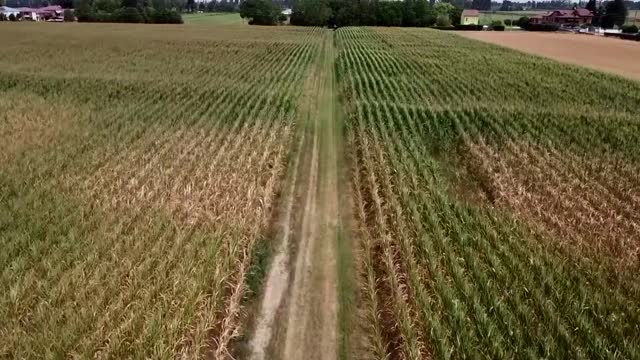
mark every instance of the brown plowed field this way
{"type": "Point", "coordinates": [606, 54]}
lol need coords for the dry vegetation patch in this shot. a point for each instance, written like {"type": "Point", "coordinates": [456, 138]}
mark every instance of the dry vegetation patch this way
{"type": "Point", "coordinates": [596, 212]}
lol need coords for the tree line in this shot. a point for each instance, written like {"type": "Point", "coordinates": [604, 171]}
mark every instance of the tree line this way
{"type": "Point", "coordinates": [126, 11]}
{"type": "Point", "coordinates": [609, 14]}
{"type": "Point", "coordinates": [407, 13]}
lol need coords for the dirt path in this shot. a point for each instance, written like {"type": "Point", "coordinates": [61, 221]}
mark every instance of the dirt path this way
{"type": "Point", "coordinates": [298, 317]}
{"type": "Point", "coordinates": [595, 52]}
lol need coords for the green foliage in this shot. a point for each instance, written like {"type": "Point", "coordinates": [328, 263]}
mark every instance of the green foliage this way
{"type": "Point", "coordinates": [496, 23]}
{"type": "Point", "coordinates": [260, 12]}
{"type": "Point", "coordinates": [69, 16]}
{"type": "Point", "coordinates": [615, 14]}
{"type": "Point", "coordinates": [84, 11]}
{"type": "Point", "coordinates": [108, 6]}
{"type": "Point", "coordinates": [338, 13]}
{"type": "Point", "coordinates": [470, 27]}
{"type": "Point", "coordinates": [443, 20]}
{"type": "Point", "coordinates": [542, 27]}
{"type": "Point", "coordinates": [523, 22]}
{"type": "Point", "coordinates": [127, 15]}
{"type": "Point", "coordinates": [629, 29]}
{"type": "Point", "coordinates": [443, 8]}
{"type": "Point", "coordinates": [508, 22]}
{"type": "Point", "coordinates": [311, 13]}
{"type": "Point", "coordinates": [455, 15]}
{"type": "Point", "coordinates": [165, 16]}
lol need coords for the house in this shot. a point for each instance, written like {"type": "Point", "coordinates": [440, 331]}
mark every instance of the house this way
{"type": "Point", "coordinates": [470, 17]}
{"type": "Point", "coordinates": [564, 17]}
{"type": "Point", "coordinates": [50, 12]}
{"type": "Point", "coordinates": [28, 13]}
{"type": "Point", "coordinates": [7, 11]}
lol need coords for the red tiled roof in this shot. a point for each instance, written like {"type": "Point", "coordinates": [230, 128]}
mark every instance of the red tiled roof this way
{"type": "Point", "coordinates": [584, 12]}
{"type": "Point", "coordinates": [470, 12]}
{"type": "Point", "coordinates": [571, 13]}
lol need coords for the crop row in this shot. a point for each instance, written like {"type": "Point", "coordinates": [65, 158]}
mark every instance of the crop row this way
{"type": "Point", "coordinates": [475, 181]}
{"type": "Point", "coordinates": [133, 225]}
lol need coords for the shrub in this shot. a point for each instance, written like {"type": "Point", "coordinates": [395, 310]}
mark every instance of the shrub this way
{"type": "Point", "coordinates": [629, 29]}
{"type": "Point", "coordinates": [443, 27]}
{"type": "Point", "coordinates": [523, 22]}
{"type": "Point", "coordinates": [12, 17]}
{"type": "Point", "coordinates": [470, 27]}
{"type": "Point", "coordinates": [496, 26]}
{"type": "Point", "coordinates": [542, 27]}
{"type": "Point", "coordinates": [443, 20]}
{"type": "Point", "coordinates": [69, 16]}
{"type": "Point", "coordinates": [127, 15]}
{"type": "Point", "coordinates": [102, 16]}
{"type": "Point", "coordinates": [508, 22]}
{"type": "Point", "coordinates": [164, 16]}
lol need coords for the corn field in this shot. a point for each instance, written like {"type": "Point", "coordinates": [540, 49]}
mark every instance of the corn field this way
{"type": "Point", "coordinates": [496, 196]}
{"type": "Point", "coordinates": [493, 197]}
{"type": "Point", "coordinates": [138, 177]}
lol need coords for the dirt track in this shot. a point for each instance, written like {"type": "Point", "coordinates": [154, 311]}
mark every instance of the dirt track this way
{"type": "Point", "coordinates": [599, 53]}
{"type": "Point", "coordinates": [299, 311]}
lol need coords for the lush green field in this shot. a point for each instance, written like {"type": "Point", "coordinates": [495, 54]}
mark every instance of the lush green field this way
{"type": "Point", "coordinates": [213, 19]}
{"type": "Point", "coordinates": [138, 172]}
{"type": "Point", "coordinates": [497, 205]}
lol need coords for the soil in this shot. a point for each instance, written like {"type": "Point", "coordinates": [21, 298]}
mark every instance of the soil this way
{"type": "Point", "coordinates": [298, 316]}
{"type": "Point", "coordinates": [605, 54]}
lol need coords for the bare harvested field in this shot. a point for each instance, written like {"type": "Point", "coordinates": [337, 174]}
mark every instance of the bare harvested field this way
{"type": "Point", "coordinates": [611, 55]}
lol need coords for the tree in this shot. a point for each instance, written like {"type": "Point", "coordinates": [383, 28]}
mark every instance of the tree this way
{"type": "Point", "coordinates": [443, 8]}
{"type": "Point", "coordinates": [443, 20]}
{"type": "Point", "coordinates": [454, 15]}
{"type": "Point", "coordinates": [506, 6]}
{"type": "Point", "coordinates": [310, 13]}
{"type": "Point", "coordinates": [108, 6]}
{"type": "Point", "coordinates": [260, 12]}
{"type": "Point", "coordinates": [615, 14]}
{"type": "Point", "coordinates": [523, 22]}
{"type": "Point", "coordinates": [69, 16]}
{"type": "Point", "coordinates": [409, 18]}
{"type": "Point", "coordinates": [592, 6]}
{"type": "Point", "coordinates": [423, 13]}
{"type": "Point", "coordinates": [84, 11]}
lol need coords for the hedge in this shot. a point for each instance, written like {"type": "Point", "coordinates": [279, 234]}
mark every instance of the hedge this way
{"type": "Point", "coordinates": [542, 27]}
{"type": "Point", "coordinates": [470, 27]}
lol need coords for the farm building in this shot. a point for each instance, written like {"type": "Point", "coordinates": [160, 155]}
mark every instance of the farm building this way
{"type": "Point", "coordinates": [34, 14]}
{"type": "Point", "coordinates": [470, 17]}
{"type": "Point", "coordinates": [7, 11]}
{"type": "Point", "coordinates": [574, 17]}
